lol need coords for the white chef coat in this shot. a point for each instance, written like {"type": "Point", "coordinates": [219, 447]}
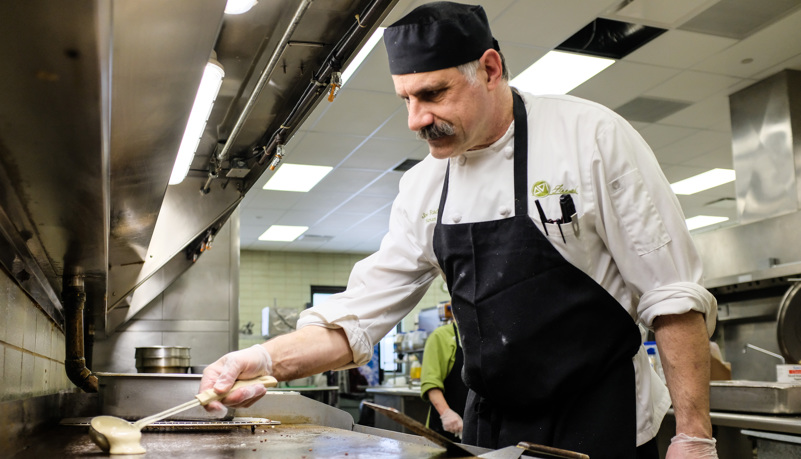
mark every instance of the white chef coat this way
{"type": "Point", "coordinates": [632, 239]}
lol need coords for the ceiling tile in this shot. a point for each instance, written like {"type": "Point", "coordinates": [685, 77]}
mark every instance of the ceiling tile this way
{"type": "Point", "coordinates": [346, 180]}
{"type": "Point", "coordinates": [365, 204]}
{"type": "Point", "coordinates": [697, 144]}
{"type": "Point", "coordinates": [358, 112]}
{"type": "Point", "coordinates": [692, 86]}
{"type": "Point", "coordinates": [720, 157]}
{"type": "Point", "coordinates": [679, 49]}
{"type": "Point", "coordinates": [322, 149]}
{"type": "Point", "coordinates": [381, 154]}
{"type": "Point", "coordinates": [621, 82]}
{"type": "Point", "coordinates": [272, 200]}
{"type": "Point", "coordinates": [397, 126]}
{"type": "Point", "coordinates": [545, 23]}
{"type": "Point", "coordinates": [660, 135]}
{"type": "Point", "coordinates": [373, 74]}
{"type": "Point", "coordinates": [765, 48]}
{"type": "Point", "coordinates": [710, 112]}
{"type": "Point", "coordinates": [387, 185]}
{"type": "Point", "coordinates": [519, 57]}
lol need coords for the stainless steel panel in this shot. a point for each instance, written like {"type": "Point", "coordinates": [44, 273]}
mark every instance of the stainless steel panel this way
{"type": "Point", "coordinates": [134, 396]}
{"type": "Point", "coordinates": [755, 397]}
{"type": "Point", "coordinates": [53, 144]}
{"type": "Point", "coordinates": [752, 252]}
{"type": "Point", "coordinates": [764, 143]}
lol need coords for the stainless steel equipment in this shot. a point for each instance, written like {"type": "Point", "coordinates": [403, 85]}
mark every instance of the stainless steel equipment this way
{"type": "Point", "coordinates": [163, 359]}
{"type": "Point", "coordinates": [755, 397]}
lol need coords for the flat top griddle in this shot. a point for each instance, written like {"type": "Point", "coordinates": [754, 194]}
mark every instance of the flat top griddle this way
{"type": "Point", "coordinates": [278, 441]}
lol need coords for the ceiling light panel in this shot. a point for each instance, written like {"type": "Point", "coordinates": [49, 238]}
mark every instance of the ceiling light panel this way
{"type": "Point", "coordinates": [559, 72]}
{"type": "Point", "coordinates": [281, 233]}
{"type": "Point", "coordinates": [701, 182]}
{"type": "Point", "coordinates": [701, 221]}
{"type": "Point", "coordinates": [296, 177]}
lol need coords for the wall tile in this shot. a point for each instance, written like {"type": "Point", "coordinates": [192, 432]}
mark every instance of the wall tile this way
{"type": "Point", "coordinates": [4, 288]}
{"type": "Point", "coordinates": [29, 328]}
{"type": "Point", "coordinates": [16, 323]}
{"type": "Point", "coordinates": [12, 374]}
{"type": "Point", "coordinates": [40, 370]}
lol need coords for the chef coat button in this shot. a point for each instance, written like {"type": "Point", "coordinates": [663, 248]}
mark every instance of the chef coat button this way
{"type": "Point", "coordinates": [615, 185]}
{"type": "Point", "coordinates": [505, 211]}
{"type": "Point", "coordinates": [510, 152]}
{"type": "Point", "coordinates": [456, 218]}
{"type": "Point", "coordinates": [462, 159]}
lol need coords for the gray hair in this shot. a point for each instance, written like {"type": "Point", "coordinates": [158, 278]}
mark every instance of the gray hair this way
{"type": "Point", "coordinates": [469, 69]}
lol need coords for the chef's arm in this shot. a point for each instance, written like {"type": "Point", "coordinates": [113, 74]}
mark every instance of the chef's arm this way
{"type": "Point", "coordinates": [684, 351]}
{"type": "Point", "coordinates": [308, 351]}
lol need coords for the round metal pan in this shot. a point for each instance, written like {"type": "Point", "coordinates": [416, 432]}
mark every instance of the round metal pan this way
{"type": "Point", "coordinates": [788, 325]}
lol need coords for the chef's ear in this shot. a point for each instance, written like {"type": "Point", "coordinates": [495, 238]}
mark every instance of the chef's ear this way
{"type": "Point", "coordinates": [493, 65]}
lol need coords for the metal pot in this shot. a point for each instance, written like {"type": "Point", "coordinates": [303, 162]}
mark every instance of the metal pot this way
{"type": "Point", "coordinates": [162, 359]}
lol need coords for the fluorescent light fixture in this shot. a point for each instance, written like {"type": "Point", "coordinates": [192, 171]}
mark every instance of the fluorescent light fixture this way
{"type": "Point", "coordinates": [700, 221]}
{"type": "Point", "coordinates": [296, 177]}
{"type": "Point", "coordinates": [206, 93]}
{"type": "Point", "coordinates": [701, 182]}
{"type": "Point", "coordinates": [559, 72]}
{"type": "Point", "coordinates": [239, 6]}
{"type": "Point", "coordinates": [283, 233]}
{"type": "Point", "coordinates": [362, 54]}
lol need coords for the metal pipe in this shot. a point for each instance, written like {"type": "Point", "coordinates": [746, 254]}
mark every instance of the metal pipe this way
{"type": "Point", "coordinates": [74, 298]}
{"type": "Point", "coordinates": [332, 63]}
{"type": "Point", "coordinates": [262, 81]}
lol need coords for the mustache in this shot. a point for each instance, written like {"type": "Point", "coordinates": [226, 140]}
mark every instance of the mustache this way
{"type": "Point", "coordinates": [435, 131]}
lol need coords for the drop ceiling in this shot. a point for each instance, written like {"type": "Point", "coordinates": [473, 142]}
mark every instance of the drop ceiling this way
{"type": "Point", "coordinates": [711, 49]}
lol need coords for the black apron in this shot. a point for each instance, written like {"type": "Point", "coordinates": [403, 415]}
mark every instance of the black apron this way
{"type": "Point", "coordinates": [454, 390]}
{"type": "Point", "coordinates": [548, 352]}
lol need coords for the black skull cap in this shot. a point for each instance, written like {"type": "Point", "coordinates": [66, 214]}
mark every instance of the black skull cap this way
{"type": "Point", "coordinates": [437, 36]}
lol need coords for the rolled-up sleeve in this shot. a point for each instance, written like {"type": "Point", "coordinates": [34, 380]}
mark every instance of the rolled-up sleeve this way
{"type": "Point", "coordinates": [382, 288]}
{"type": "Point", "coordinates": [645, 230]}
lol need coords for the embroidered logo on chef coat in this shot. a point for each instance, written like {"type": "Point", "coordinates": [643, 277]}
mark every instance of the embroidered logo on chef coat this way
{"type": "Point", "coordinates": [542, 189]}
{"type": "Point", "coordinates": [430, 216]}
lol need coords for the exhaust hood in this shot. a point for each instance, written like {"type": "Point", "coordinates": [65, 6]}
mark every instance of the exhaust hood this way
{"type": "Point", "coordinates": [93, 106]}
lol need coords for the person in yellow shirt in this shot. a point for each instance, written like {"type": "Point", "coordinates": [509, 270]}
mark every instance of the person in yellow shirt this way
{"type": "Point", "coordinates": [441, 379]}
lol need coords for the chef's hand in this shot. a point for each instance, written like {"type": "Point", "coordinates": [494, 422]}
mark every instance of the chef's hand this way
{"type": "Point", "coordinates": [247, 363]}
{"type": "Point", "coordinates": [451, 422]}
{"type": "Point", "coordinates": [684, 446]}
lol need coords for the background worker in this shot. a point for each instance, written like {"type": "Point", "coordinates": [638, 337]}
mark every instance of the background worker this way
{"type": "Point", "coordinates": [441, 381]}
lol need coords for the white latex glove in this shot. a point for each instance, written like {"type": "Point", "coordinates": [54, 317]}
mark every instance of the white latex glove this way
{"type": "Point", "coordinates": [451, 422]}
{"type": "Point", "coordinates": [684, 446]}
{"type": "Point", "coordinates": [247, 363]}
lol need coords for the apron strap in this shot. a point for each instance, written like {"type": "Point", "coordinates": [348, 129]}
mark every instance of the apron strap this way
{"type": "Point", "coordinates": [521, 155]}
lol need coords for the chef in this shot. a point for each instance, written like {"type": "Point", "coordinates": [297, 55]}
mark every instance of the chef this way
{"type": "Point", "coordinates": [557, 235]}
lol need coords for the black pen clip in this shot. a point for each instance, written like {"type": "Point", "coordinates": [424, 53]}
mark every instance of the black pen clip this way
{"type": "Point", "coordinates": [543, 218]}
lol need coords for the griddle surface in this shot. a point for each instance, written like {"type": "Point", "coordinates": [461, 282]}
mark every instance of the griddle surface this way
{"type": "Point", "coordinates": [283, 441]}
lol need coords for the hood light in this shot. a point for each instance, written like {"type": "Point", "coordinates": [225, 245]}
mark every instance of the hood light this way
{"type": "Point", "coordinates": [204, 100]}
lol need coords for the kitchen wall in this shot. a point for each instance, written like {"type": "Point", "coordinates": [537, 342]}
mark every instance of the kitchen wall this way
{"type": "Point", "coordinates": [284, 279]}
{"type": "Point", "coordinates": [31, 346]}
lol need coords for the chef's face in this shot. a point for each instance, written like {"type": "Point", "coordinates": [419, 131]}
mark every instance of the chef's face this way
{"type": "Point", "coordinates": [446, 110]}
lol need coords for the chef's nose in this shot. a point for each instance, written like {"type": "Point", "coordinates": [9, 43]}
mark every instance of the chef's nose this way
{"type": "Point", "coordinates": [419, 116]}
